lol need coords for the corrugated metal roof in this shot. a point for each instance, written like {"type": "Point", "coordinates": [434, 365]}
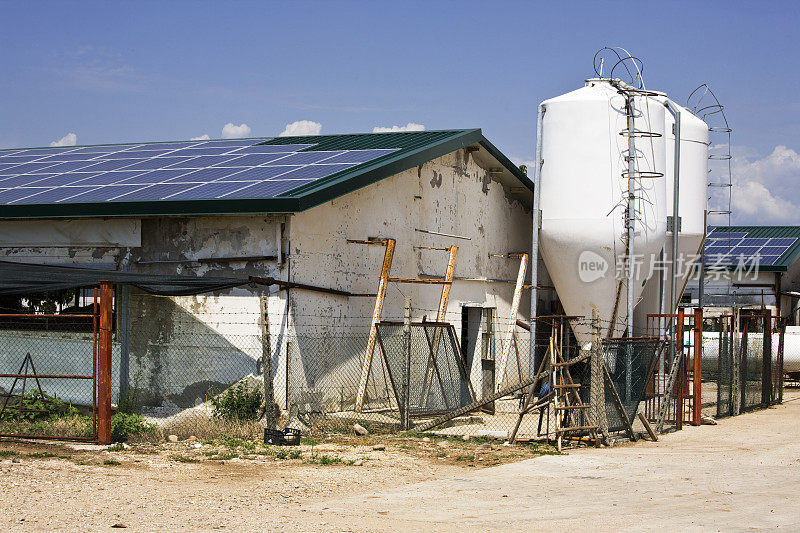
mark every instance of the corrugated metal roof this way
{"type": "Point", "coordinates": [767, 232]}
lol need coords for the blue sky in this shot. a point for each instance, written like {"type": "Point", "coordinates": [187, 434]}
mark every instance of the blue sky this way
{"type": "Point", "coordinates": [134, 71]}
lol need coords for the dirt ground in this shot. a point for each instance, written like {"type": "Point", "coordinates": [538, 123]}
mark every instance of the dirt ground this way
{"type": "Point", "coordinates": [740, 475]}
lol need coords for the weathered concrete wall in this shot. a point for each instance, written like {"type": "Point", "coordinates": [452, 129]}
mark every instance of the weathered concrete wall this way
{"type": "Point", "coordinates": [453, 195]}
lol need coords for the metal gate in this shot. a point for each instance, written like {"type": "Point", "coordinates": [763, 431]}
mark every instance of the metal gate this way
{"type": "Point", "coordinates": [684, 331]}
{"type": "Point", "coordinates": [55, 372]}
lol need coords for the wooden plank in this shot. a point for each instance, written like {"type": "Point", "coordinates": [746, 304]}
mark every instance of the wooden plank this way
{"type": "Point", "coordinates": [646, 424]}
{"type": "Point", "coordinates": [512, 322]}
{"type": "Point", "coordinates": [373, 326]}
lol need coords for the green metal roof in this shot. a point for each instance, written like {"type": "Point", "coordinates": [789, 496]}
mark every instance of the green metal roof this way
{"type": "Point", "coordinates": [782, 264]}
{"type": "Point", "coordinates": [412, 149]}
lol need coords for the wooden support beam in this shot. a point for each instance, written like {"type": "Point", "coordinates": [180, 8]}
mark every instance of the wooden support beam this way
{"type": "Point", "coordinates": [104, 363]}
{"type": "Point", "coordinates": [512, 322]}
{"type": "Point", "coordinates": [646, 424]}
{"type": "Point", "coordinates": [373, 327]}
{"type": "Point", "coordinates": [441, 312]}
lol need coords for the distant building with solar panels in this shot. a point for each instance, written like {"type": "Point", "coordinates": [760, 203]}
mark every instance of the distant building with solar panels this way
{"type": "Point", "coordinates": [290, 209]}
{"type": "Point", "coordinates": [766, 256]}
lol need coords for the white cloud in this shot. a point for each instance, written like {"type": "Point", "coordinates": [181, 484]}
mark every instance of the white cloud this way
{"type": "Point", "coordinates": [765, 190]}
{"type": "Point", "coordinates": [301, 127]}
{"type": "Point", "coordinates": [232, 131]}
{"type": "Point", "coordinates": [411, 126]}
{"type": "Point", "coordinates": [203, 137]}
{"type": "Point", "coordinates": [70, 139]}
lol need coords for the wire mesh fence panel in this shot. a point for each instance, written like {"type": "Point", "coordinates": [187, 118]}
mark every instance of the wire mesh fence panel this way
{"type": "Point", "coordinates": [426, 368]}
{"type": "Point", "coordinates": [631, 363]}
{"type": "Point", "coordinates": [48, 375]}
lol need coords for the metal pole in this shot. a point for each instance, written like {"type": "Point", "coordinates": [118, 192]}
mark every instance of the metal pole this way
{"type": "Point", "coordinates": [534, 260]}
{"type": "Point", "coordinates": [104, 363]}
{"type": "Point", "coordinates": [673, 285]}
{"type": "Point", "coordinates": [406, 403]}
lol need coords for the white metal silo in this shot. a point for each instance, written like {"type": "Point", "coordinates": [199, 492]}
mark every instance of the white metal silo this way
{"type": "Point", "coordinates": [693, 194]}
{"type": "Point", "coordinates": [584, 195]}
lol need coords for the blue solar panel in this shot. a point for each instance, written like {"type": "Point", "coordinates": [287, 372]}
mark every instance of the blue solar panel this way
{"type": "Point", "coordinates": [258, 173]}
{"type": "Point", "coordinates": [108, 178]}
{"type": "Point", "coordinates": [769, 259]}
{"type": "Point", "coordinates": [252, 160]}
{"type": "Point", "coordinates": [209, 150]}
{"type": "Point", "coordinates": [754, 242]}
{"type": "Point", "coordinates": [99, 149]}
{"type": "Point", "coordinates": [69, 166]}
{"type": "Point", "coordinates": [206, 161]}
{"type": "Point", "coordinates": [63, 179]}
{"type": "Point", "coordinates": [306, 158]}
{"type": "Point", "coordinates": [153, 192]}
{"type": "Point", "coordinates": [53, 195]}
{"type": "Point", "coordinates": [28, 167]}
{"type": "Point", "coordinates": [231, 168]}
{"type": "Point", "coordinates": [745, 250]}
{"type": "Point", "coordinates": [69, 156]}
{"type": "Point", "coordinates": [23, 180]}
{"type": "Point", "coordinates": [208, 191]}
{"type": "Point", "coordinates": [273, 148]}
{"type": "Point", "coordinates": [267, 189]}
{"type": "Point", "coordinates": [132, 154]}
{"type": "Point", "coordinates": [155, 176]}
{"type": "Point", "coordinates": [781, 241]}
{"type": "Point", "coordinates": [314, 172]}
{"type": "Point", "coordinates": [113, 164]}
{"type": "Point", "coordinates": [158, 162]}
{"type": "Point", "coordinates": [167, 146]}
{"type": "Point", "coordinates": [103, 194]}
{"type": "Point", "coordinates": [10, 195]}
{"type": "Point", "coordinates": [203, 175]}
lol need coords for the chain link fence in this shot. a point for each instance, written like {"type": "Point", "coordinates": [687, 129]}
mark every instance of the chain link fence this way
{"type": "Point", "coordinates": [48, 375]}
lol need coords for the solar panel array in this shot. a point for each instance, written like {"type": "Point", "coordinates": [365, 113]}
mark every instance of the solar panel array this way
{"type": "Point", "coordinates": [191, 170]}
{"type": "Point", "coordinates": [734, 248]}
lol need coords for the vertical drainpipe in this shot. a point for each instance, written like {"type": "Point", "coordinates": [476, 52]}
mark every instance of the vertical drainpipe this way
{"type": "Point", "coordinates": [673, 289]}
{"type": "Point", "coordinates": [537, 179]}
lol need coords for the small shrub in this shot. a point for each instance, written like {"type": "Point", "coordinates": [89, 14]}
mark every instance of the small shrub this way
{"type": "Point", "coordinates": [116, 448]}
{"type": "Point", "coordinates": [124, 425]}
{"type": "Point", "coordinates": [294, 454]}
{"type": "Point", "coordinates": [36, 405]}
{"type": "Point", "coordinates": [7, 453]}
{"type": "Point", "coordinates": [111, 462]}
{"type": "Point", "coordinates": [238, 402]}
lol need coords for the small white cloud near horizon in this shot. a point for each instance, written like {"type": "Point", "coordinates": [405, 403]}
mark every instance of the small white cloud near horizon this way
{"type": "Point", "coordinates": [70, 139]}
{"type": "Point", "coordinates": [232, 131]}
{"type": "Point", "coordinates": [764, 190]}
{"type": "Point", "coordinates": [203, 137]}
{"type": "Point", "coordinates": [301, 127]}
{"type": "Point", "coordinates": [411, 126]}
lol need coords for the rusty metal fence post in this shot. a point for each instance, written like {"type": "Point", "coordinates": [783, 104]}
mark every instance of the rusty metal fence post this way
{"type": "Point", "coordinates": [697, 371]}
{"type": "Point", "coordinates": [766, 360]}
{"type": "Point", "coordinates": [104, 362]}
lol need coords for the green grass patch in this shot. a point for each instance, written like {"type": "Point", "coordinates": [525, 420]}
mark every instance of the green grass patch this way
{"type": "Point", "coordinates": [41, 455]}
{"type": "Point", "coordinates": [118, 447]}
{"type": "Point", "coordinates": [224, 456]}
{"type": "Point", "coordinates": [111, 462]}
{"type": "Point", "coordinates": [7, 453]}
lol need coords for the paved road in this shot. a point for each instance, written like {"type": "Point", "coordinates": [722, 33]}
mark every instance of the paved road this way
{"type": "Point", "coordinates": [742, 474]}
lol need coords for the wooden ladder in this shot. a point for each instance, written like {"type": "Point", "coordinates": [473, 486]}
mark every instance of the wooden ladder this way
{"type": "Point", "coordinates": [567, 402]}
